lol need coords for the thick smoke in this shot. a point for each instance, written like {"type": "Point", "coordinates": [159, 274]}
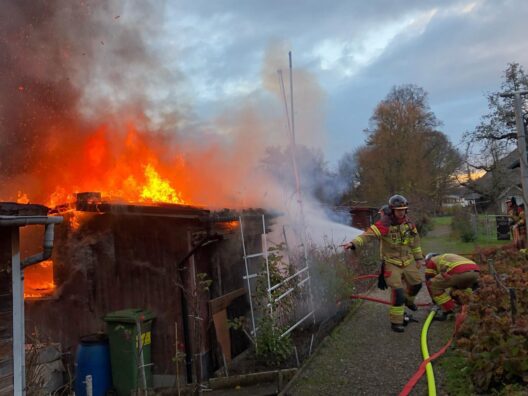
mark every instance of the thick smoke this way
{"type": "Point", "coordinates": [85, 102]}
{"type": "Point", "coordinates": [51, 62]}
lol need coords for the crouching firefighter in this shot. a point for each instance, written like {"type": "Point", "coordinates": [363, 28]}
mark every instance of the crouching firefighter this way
{"type": "Point", "coordinates": [445, 273]}
{"type": "Point", "coordinates": [401, 257]}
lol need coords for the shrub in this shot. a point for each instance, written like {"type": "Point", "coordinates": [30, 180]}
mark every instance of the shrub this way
{"type": "Point", "coordinates": [496, 347]}
{"type": "Point", "coordinates": [462, 225]}
{"type": "Point", "coordinates": [333, 275]}
{"type": "Point", "coordinates": [423, 224]}
{"type": "Point", "coordinates": [271, 348]}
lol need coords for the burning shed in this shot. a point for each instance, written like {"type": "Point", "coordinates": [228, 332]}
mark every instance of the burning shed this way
{"type": "Point", "coordinates": [171, 259]}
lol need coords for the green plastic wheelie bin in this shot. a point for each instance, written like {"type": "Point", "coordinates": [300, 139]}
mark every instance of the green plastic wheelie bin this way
{"type": "Point", "coordinates": [130, 354]}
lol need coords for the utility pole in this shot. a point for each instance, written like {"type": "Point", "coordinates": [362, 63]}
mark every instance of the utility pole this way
{"type": "Point", "coordinates": [521, 140]}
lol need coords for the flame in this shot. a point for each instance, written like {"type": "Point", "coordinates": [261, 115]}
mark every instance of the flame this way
{"type": "Point", "coordinates": [125, 164]}
{"type": "Point", "coordinates": [38, 280]}
{"type": "Point", "coordinates": [74, 220]}
{"type": "Point", "coordinates": [22, 198]}
{"type": "Point", "coordinates": [132, 167]}
{"type": "Point", "coordinates": [158, 189]}
{"type": "Point", "coordinates": [234, 224]}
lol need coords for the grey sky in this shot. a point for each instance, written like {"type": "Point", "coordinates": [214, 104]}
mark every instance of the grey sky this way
{"type": "Point", "coordinates": [355, 50]}
{"type": "Point", "coordinates": [204, 73]}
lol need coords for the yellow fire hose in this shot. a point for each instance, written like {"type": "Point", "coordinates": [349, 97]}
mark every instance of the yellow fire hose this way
{"type": "Point", "coordinates": [425, 353]}
{"type": "Point", "coordinates": [426, 366]}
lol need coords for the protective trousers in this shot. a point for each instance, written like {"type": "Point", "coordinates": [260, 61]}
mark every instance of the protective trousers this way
{"type": "Point", "coordinates": [401, 295]}
{"type": "Point", "coordinates": [442, 282]}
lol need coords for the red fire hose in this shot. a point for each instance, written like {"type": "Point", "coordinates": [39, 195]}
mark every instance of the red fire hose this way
{"type": "Point", "coordinates": [460, 317]}
{"type": "Point", "coordinates": [369, 276]}
{"type": "Point", "coordinates": [378, 300]}
{"type": "Point", "coordinates": [421, 370]}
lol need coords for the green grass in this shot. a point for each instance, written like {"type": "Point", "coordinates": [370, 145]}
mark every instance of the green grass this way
{"type": "Point", "coordinates": [457, 378]}
{"type": "Point", "coordinates": [440, 239]}
{"type": "Point", "coordinates": [443, 220]}
{"type": "Point", "coordinates": [451, 245]}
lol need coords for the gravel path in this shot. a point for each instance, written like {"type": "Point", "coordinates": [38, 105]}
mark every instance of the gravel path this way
{"type": "Point", "coordinates": [364, 357]}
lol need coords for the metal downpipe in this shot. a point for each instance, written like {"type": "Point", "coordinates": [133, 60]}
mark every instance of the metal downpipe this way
{"type": "Point", "coordinates": [47, 248]}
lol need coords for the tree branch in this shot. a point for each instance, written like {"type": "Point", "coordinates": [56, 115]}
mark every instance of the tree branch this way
{"type": "Point", "coordinates": [511, 135]}
{"type": "Point", "coordinates": [482, 167]}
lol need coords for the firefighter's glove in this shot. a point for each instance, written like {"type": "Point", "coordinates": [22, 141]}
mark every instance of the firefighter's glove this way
{"type": "Point", "coordinates": [382, 284]}
{"type": "Point", "coordinates": [349, 246]}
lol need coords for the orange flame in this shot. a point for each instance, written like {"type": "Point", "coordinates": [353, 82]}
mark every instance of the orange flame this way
{"type": "Point", "coordinates": [130, 168]}
{"type": "Point", "coordinates": [74, 220]}
{"type": "Point", "coordinates": [22, 198]}
{"type": "Point", "coordinates": [158, 189]}
{"type": "Point", "coordinates": [145, 167]}
{"type": "Point", "coordinates": [38, 280]}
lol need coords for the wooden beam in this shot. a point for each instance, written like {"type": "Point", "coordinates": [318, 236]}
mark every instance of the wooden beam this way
{"type": "Point", "coordinates": [220, 303]}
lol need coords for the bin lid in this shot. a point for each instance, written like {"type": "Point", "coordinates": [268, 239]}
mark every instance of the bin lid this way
{"type": "Point", "coordinates": [95, 338]}
{"type": "Point", "coordinates": [130, 315]}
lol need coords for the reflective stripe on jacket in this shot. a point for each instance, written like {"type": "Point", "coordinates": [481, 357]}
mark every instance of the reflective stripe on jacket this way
{"type": "Point", "coordinates": [399, 244]}
{"type": "Point", "coordinates": [449, 263]}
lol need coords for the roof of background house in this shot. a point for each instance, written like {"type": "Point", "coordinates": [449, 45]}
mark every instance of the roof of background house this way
{"type": "Point", "coordinates": [508, 191]}
{"type": "Point", "coordinates": [503, 176]}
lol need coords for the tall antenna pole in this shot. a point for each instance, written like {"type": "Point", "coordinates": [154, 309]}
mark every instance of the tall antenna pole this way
{"type": "Point", "coordinates": [521, 139]}
{"type": "Point", "coordinates": [299, 199]}
{"type": "Point", "coordinates": [283, 92]}
{"type": "Point", "coordinates": [293, 145]}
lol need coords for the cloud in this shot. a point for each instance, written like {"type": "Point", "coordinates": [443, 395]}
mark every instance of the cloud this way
{"type": "Point", "coordinates": [204, 56]}
{"type": "Point", "coordinates": [456, 51]}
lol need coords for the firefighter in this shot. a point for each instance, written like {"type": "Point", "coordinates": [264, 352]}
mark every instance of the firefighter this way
{"type": "Point", "coordinates": [517, 222]}
{"type": "Point", "coordinates": [445, 273]}
{"type": "Point", "coordinates": [401, 256]}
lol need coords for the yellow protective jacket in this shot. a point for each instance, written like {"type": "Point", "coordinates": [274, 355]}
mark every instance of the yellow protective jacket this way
{"type": "Point", "coordinates": [399, 243]}
{"type": "Point", "coordinates": [516, 215]}
{"type": "Point", "coordinates": [448, 264]}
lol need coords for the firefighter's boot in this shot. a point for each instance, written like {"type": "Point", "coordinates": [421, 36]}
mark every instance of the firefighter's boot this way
{"type": "Point", "coordinates": [442, 315]}
{"type": "Point", "coordinates": [408, 319]}
{"type": "Point", "coordinates": [412, 291]}
{"type": "Point", "coordinates": [398, 328]}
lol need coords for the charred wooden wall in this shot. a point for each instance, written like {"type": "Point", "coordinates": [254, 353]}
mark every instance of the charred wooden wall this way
{"type": "Point", "coordinates": [114, 261]}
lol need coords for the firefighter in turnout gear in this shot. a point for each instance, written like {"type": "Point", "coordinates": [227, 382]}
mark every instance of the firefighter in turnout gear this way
{"type": "Point", "coordinates": [401, 257]}
{"type": "Point", "coordinates": [517, 222]}
{"type": "Point", "coordinates": [448, 272]}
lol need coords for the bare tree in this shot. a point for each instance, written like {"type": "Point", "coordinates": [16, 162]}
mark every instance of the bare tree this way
{"type": "Point", "coordinates": [495, 136]}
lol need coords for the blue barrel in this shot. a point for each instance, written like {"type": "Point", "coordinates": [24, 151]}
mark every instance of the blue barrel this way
{"type": "Point", "coordinates": [93, 373]}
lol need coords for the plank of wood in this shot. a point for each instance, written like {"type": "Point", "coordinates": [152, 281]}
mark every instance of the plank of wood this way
{"type": "Point", "coordinates": [222, 302]}
{"type": "Point", "coordinates": [222, 333]}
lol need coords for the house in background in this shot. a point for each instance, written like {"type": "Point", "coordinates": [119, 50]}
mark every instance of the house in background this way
{"type": "Point", "coordinates": [512, 191]}
{"type": "Point", "coordinates": [461, 197]}
{"type": "Point", "coordinates": [453, 200]}
{"type": "Point", "coordinates": [494, 187]}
